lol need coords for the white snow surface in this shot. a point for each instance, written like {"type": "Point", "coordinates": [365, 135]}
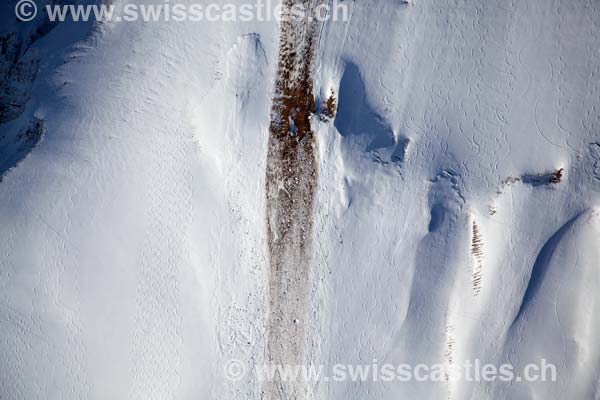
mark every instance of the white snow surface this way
{"type": "Point", "coordinates": [134, 260]}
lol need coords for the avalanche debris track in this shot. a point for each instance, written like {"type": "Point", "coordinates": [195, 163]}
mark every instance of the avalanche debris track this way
{"type": "Point", "coordinates": [290, 187]}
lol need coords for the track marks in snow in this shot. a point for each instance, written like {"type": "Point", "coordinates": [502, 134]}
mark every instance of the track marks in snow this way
{"type": "Point", "coordinates": [157, 341]}
{"type": "Point", "coordinates": [16, 328]}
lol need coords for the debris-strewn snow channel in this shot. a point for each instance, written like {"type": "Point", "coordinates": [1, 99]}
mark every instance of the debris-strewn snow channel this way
{"type": "Point", "coordinates": [134, 257]}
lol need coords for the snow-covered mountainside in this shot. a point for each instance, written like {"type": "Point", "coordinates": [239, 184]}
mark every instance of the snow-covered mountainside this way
{"type": "Point", "coordinates": [417, 185]}
{"type": "Point", "coordinates": [25, 52]}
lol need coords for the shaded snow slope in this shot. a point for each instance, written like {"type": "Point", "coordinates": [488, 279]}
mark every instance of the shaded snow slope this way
{"type": "Point", "coordinates": [29, 53]}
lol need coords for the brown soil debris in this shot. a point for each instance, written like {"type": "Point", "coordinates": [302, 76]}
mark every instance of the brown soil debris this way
{"type": "Point", "coordinates": [291, 180]}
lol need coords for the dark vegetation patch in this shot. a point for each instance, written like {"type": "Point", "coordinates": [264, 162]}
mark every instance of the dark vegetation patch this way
{"type": "Point", "coordinates": [548, 178]}
{"type": "Point", "coordinates": [328, 109]}
{"type": "Point", "coordinates": [450, 344]}
{"type": "Point", "coordinates": [477, 253]}
{"type": "Point", "coordinates": [507, 182]}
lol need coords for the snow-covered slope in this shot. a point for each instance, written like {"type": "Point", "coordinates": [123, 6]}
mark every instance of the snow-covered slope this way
{"type": "Point", "coordinates": [135, 258]}
{"type": "Point", "coordinates": [456, 252]}
{"type": "Point", "coordinates": [26, 53]}
{"type": "Point", "coordinates": [129, 234]}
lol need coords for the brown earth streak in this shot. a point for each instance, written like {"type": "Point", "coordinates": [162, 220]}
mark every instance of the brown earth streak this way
{"type": "Point", "coordinates": [290, 187]}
